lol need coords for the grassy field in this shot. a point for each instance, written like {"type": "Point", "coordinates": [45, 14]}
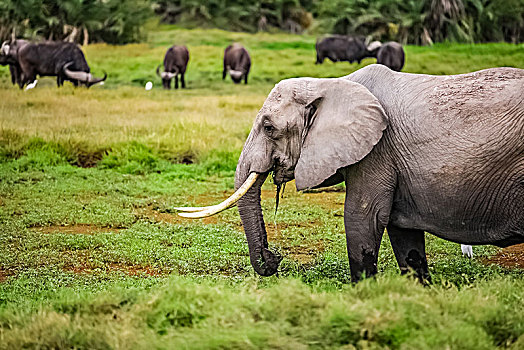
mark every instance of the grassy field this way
{"type": "Point", "coordinates": [92, 255]}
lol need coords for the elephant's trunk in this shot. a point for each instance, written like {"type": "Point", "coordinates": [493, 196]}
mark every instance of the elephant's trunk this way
{"type": "Point", "coordinates": [262, 259]}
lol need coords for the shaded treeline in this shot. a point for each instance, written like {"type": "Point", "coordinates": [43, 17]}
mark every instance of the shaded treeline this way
{"type": "Point", "coordinates": [406, 21]}
{"type": "Point", "coordinates": [81, 21]}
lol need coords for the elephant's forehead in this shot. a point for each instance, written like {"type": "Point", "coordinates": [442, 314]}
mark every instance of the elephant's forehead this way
{"type": "Point", "coordinates": [282, 93]}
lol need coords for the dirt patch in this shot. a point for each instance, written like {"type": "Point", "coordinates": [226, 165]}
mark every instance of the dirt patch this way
{"type": "Point", "coordinates": [510, 257]}
{"type": "Point", "coordinates": [79, 229]}
{"type": "Point", "coordinates": [89, 159]}
{"type": "Point", "coordinates": [157, 215]}
{"type": "Point", "coordinates": [130, 270]}
{"type": "Point", "coordinates": [83, 261]}
{"type": "Point", "coordinates": [4, 274]}
{"type": "Point", "coordinates": [305, 254]}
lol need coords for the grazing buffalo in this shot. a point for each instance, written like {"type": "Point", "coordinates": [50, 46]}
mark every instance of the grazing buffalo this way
{"type": "Point", "coordinates": [175, 63]}
{"type": "Point", "coordinates": [391, 55]}
{"type": "Point", "coordinates": [9, 56]}
{"type": "Point", "coordinates": [342, 48]}
{"type": "Point", "coordinates": [237, 63]}
{"type": "Point", "coordinates": [55, 58]}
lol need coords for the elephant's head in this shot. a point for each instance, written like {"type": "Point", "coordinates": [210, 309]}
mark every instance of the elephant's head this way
{"type": "Point", "coordinates": [306, 130]}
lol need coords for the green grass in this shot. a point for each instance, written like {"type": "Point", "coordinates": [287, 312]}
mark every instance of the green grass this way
{"type": "Point", "coordinates": [93, 256]}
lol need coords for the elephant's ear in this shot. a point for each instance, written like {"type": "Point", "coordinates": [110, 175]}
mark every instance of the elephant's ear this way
{"type": "Point", "coordinates": [344, 121]}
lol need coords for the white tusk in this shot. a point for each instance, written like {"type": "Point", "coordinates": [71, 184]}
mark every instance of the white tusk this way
{"type": "Point", "coordinates": [202, 212]}
{"type": "Point", "coordinates": [193, 209]}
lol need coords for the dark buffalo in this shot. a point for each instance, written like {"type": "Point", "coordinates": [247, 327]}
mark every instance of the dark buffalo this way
{"type": "Point", "coordinates": [237, 63]}
{"type": "Point", "coordinates": [55, 58]}
{"type": "Point", "coordinates": [342, 48]}
{"type": "Point", "coordinates": [391, 55]}
{"type": "Point", "coordinates": [175, 63]}
{"type": "Point", "coordinates": [9, 56]}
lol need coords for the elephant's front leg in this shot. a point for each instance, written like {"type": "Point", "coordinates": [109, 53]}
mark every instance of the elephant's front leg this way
{"type": "Point", "coordinates": [366, 214]}
{"type": "Point", "coordinates": [410, 252]}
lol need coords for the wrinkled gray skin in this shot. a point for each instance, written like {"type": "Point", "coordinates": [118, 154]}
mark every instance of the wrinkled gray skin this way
{"type": "Point", "coordinates": [9, 56]}
{"type": "Point", "coordinates": [175, 64]}
{"type": "Point", "coordinates": [391, 55]}
{"type": "Point", "coordinates": [342, 48]}
{"type": "Point", "coordinates": [442, 154]}
{"type": "Point", "coordinates": [237, 63]}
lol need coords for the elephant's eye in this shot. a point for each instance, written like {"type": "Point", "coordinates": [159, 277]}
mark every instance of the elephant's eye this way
{"type": "Point", "coordinates": [268, 128]}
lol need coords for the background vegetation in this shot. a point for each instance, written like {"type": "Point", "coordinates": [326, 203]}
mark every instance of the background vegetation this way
{"type": "Point", "coordinates": [93, 256]}
{"type": "Point", "coordinates": [81, 21]}
{"type": "Point", "coordinates": [413, 21]}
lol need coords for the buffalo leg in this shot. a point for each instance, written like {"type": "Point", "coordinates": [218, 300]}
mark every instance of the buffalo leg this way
{"type": "Point", "coordinates": [183, 81]}
{"type": "Point", "coordinates": [245, 78]}
{"type": "Point", "coordinates": [410, 252]}
{"type": "Point", "coordinates": [176, 82]}
{"type": "Point", "coordinates": [320, 59]}
{"type": "Point", "coordinates": [26, 79]}
{"type": "Point", "coordinates": [224, 73]}
{"type": "Point", "coordinates": [15, 75]}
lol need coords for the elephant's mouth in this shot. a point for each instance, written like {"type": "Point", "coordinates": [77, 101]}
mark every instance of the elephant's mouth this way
{"type": "Point", "coordinates": [282, 174]}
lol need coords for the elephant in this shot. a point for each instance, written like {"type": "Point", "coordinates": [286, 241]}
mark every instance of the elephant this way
{"type": "Point", "coordinates": [55, 58]}
{"type": "Point", "coordinates": [418, 153]}
{"type": "Point", "coordinates": [237, 63]}
{"type": "Point", "coordinates": [175, 63]}
{"type": "Point", "coordinates": [342, 48]}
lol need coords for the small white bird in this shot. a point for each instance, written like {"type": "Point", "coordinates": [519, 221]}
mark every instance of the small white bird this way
{"type": "Point", "coordinates": [467, 250]}
{"type": "Point", "coordinates": [31, 86]}
{"type": "Point", "coordinates": [149, 86]}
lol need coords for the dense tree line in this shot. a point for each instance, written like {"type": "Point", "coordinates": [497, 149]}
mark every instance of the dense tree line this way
{"type": "Point", "coordinates": [81, 21]}
{"type": "Point", "coordinates": [426, 21]}
{"type": "Point", "coordinates": [407, 21]}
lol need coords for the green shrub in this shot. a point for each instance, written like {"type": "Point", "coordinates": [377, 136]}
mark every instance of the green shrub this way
{"type": "Point", "coordinates": [112, 21]}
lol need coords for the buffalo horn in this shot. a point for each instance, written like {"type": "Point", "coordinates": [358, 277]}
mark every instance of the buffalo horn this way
{"type": "Point", "coordinates": [5, 48]}
{"type": "Point", "coordinates": [84, 77]}
{"type": "Point", "coordinates": [236, 74]}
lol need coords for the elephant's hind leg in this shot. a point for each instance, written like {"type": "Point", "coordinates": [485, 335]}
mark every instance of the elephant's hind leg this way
{"type": "Point", "coordinates": [410, 252]}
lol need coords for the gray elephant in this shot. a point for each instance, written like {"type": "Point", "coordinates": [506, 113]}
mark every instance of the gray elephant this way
{"type": "Point", "coordinates": [237, 63]}
{"type": "Point", "coordinates": [175, 64]}
{"type": "Point", "coordinates": [442, 154]}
